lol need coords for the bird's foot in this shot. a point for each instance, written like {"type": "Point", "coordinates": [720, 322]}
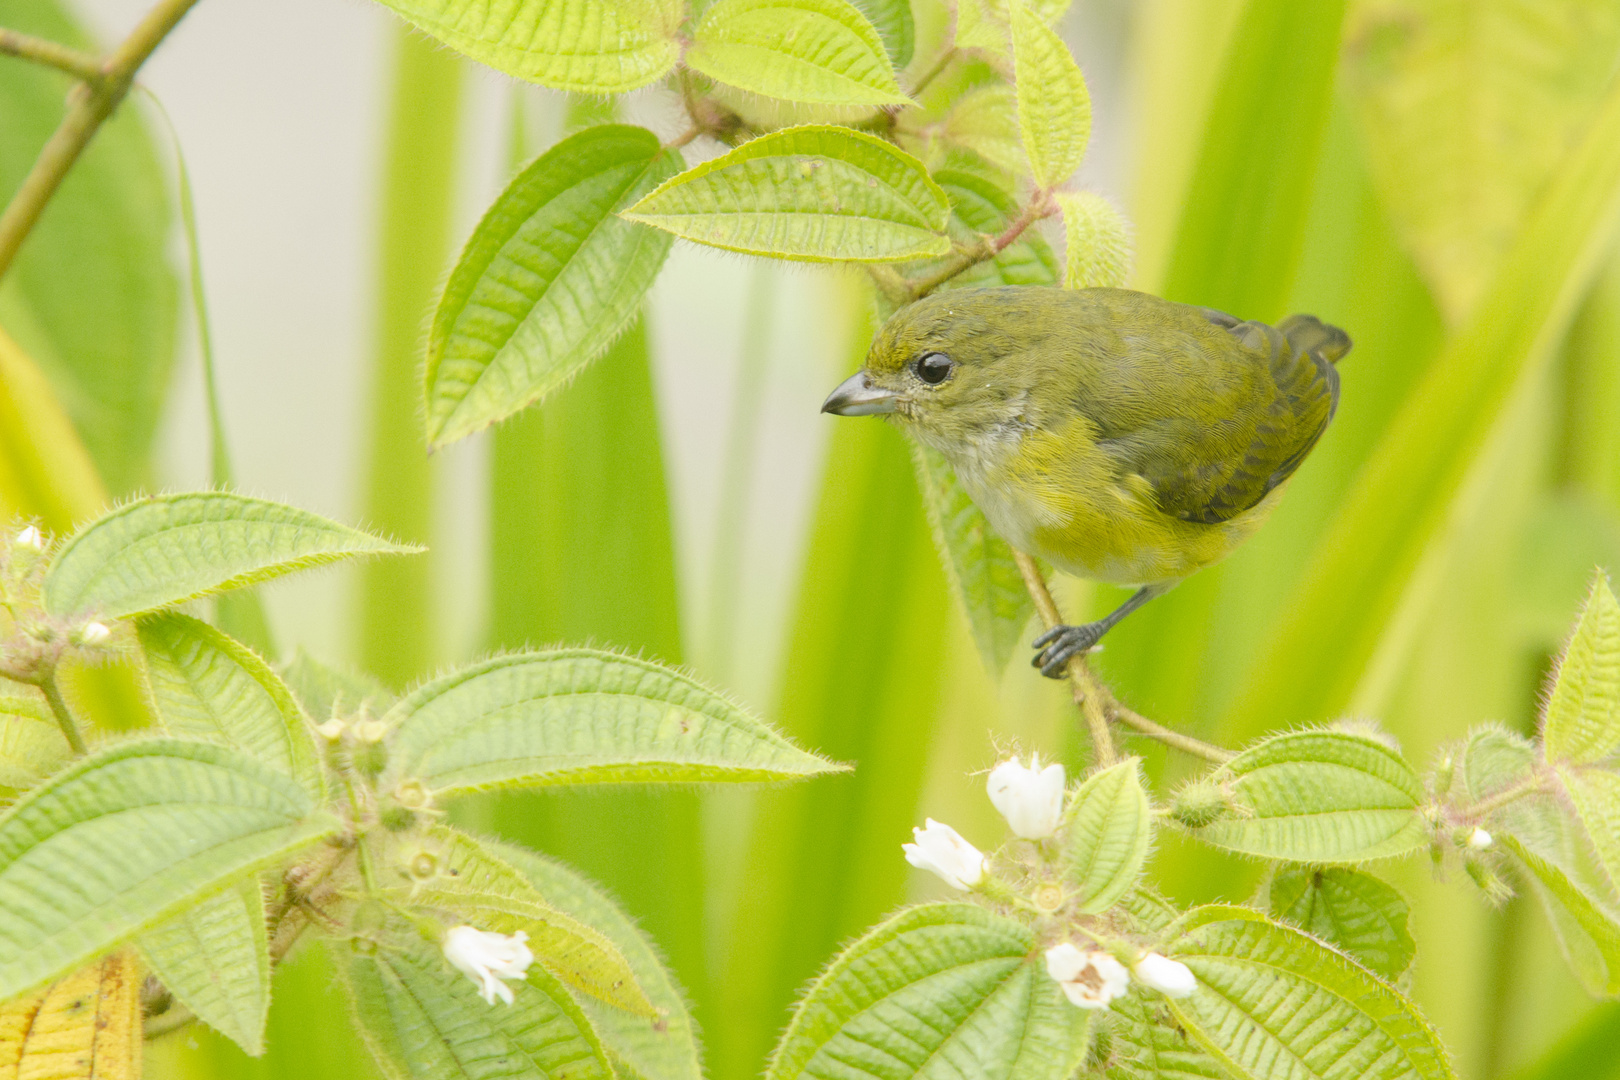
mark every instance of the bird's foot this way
{"type": "Point", "coordinates": [1061, 643]}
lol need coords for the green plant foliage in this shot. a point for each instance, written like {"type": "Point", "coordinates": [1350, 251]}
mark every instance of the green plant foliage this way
{"type": "Point", "coordinates": [92, 297]}
{"type": "Point", "coordinates": [165, 549]}
{"type": "Point", "coordinates": [1054, 107]}
{"type": "Point", "coordinates": [580, 716]}
{"type": "Point", "coordinates": [1356, 912]}
{"type": "Point", "coordinates": [582, 45]}
{"type": "Point", "coordinates": [815, 193]}
{"type": "Point", "coordinates": [328, 691]}
{"type": "Point", "coordinates": [31, 745]}
{"type": "Point", "coordinates": [1588, 931]}
{"type": "Point", "coordinates": [1467, 109]}
{"type": "Point", "coordinates": [978, 562]}
{"type": "Point", "coordinates": [424, 1020]}
{"type": "Point", "coordinates": [549, 279]}
{"type": "Point", "coordinates": [949, 985]}
{"type": "Point", "coordinates": [1493, 760]}
{"type": "Point", "coordinates": [1320, 797]}
{"type": "Point", "coordinates": [1595, 795]}
{"type": "Point", "coordinates": [1272, 1001]}
{"type": "Point", "coordinates": [667, 1050]}
{"type": "Point", "coordinates": [1582, 724]}
{"type": "Point", "coordinates": [985, 121]}
{"type": "Point", "coordinates": [1143, 1047]}
{"type": "Point", "coordinates": [1097, 241]}
{"type": "Point", "coordinates": [206, 685]}
{"type": "Point", "coordinates": [130, 835]}
{"type": "Point", "coordinates": [981, 206]}
{"type": "Point", "coordinates": [984, 24]}
{"type": "Point", "coordinates": [894, 23]}
{"type": "Point", "coordinates": [475, 885]}
{"type": "Point", "coordinates": [1109, 825]}
{"type": "Point", "coordinates": [817, 51]}
{"type": "Point", "coordinates": [215, 958]}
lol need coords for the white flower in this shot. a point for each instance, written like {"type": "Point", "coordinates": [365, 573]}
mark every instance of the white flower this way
{"type": "Point", "coordinates": [30, 538]}
{"type": "Point", "coordinates": [95, 633]}
{"type": "Point", "coordinates": [486, 958]}
{"type": "Point", "coordinates": [1169, 977]}
{"type": "Point", "coordinates": [1479, 840]}
{"type": "Point", "coordinates": [1090, 979]}
{"type": "Point", "coordinates": [1030, 799]}
{"type": "Point", "coordinates": [941, 849]}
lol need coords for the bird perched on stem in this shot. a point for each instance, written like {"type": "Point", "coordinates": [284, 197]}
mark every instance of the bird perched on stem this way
{"type": "Point", "coordinates": [1118, 436]}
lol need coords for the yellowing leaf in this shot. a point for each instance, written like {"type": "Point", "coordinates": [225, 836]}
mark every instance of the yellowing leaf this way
{"type": "Point", "coordinates": [1098, 240]}
{"type": "Point", "coordinates": [1054, 108]}
{"type": "Point", "coordinates": [817, 51]}
{"type": "Point", "coordinates": [86, 1026]}
{"type": "Point", "coordinates": [1583, 712]}
{"type": "Point", "coordinates": [589, 46]}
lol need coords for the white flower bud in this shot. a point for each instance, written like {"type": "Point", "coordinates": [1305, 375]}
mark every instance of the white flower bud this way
{"type": "Point", "coordinates": [1030, 799]}
{"type": "Point", "coordinates": [941, 849]}
{"type": "Point", "coordinates": [370, 731]}
{"type": "Point", "coordinates": [95, 633]}
{"type": "Point", "coordinates": [1479, 840]}
{"type": "Point", "coordinates": [1090, 979]}
{"type": "Point", "coordinates": [486, 958]}
{"type": "Point", "coordinates": [1169, 977]}
{"type": "Point", "coordinates": [30, 538]}
{"type": "Point", "coordinates": [332, 730]}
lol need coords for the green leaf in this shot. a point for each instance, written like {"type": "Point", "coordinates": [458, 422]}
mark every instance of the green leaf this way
{"type": "Point", "coordinates": [1144, 1046]}
{"type": "Point", "coordinates": [815, 193]}
{"type": "Point", "coordinates": [207, 685]}
{"type": "Point", "coordinates": [31, 746]}
{"type": "Point", "coordinates": [588, 46]}
{"type": "Point", "coordinates": [165, 549]}
{"type": "Point", "coordinates": [328, 691]}
{"type": "Point", "coordinates": [580, 716]}
{"type": "Point", "coordinates": [817, 51]}
{"type": "Point", "coordinates": [1272, 1001]}
{"type": "Point", "coordinates": [550, 278]}
{"type": "Point", "coordinates": [1353, 911]}
{"type": "Point", "coordinates": [978, 562]}
{"type": "Point", "coordinates": [985, 121]}
{"type": "Point", "coordinates": [424, 1020]}
{"type": "Point", "coordinates": [1108, 828]}
{"type": "Point", "coordinates": [1595, 794]}
{"type": "Point", "coordinates": [1493, 760]}
{"type": "Point", "coordinates": [983, 24]}
{"type": "Point", "coordinates": [1582, 724]}
{"type": "Point", "coordinates": [894, 24]}
{"type": "Point", "coordinates": [473, 883]}
{"type": "Point", "coordinates": [943, 989]}
{"type": "Point", "coordinates": [93, 296]}
{"type": "Point", "coordinates": [1588, 931]}
{"type": "Point", "coordinates": [1467, 110]}
{"type": "Point", "coordinates": [666, 1050]}
{"type": "Point", "coordinates": [979, 206]}
{"type": "Point", "coordinates": [215, 958]}
{"type": "Point", "coordinates": [1320, 797]}
{"type": "Point", "coordinates": [1097, 241]}
{"type": "Point", "coordinates": [1054, 107]}
{"type": "Point", "coordinates": [129, 836]}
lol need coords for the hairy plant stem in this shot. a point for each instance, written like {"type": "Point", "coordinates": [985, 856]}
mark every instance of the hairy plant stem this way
{"type": "Point", "coordinates": [1097, 703]}
{"type": "Point", "coordinates": [64, 715]}
{"type": "Point", "coordinates": [935, 70]}
{"type": "Point", "coordinates": [80, 65]}
{"type": "Point", "coordinates": [1039, 206]}
{"type": "Point", "coordinates": [90, 103]}
{"type": "Point", "coordinates": [1088, 692]}
{"type": "Point", "coordinates": [1531, 786]}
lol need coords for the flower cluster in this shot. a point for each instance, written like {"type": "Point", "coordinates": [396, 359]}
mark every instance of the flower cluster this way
{"type": "Point", "coordinates": [1031, 799]}
{"type": "Point", "coordinates": [486, 958]}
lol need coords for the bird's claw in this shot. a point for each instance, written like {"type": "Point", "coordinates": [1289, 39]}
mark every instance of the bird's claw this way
{"type": "Point", "coordinates": [1061, 643]}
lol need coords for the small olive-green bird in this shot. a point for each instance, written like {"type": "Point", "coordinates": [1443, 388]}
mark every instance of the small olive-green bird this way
{"type": "Point", "coordinates": [1118, 436]}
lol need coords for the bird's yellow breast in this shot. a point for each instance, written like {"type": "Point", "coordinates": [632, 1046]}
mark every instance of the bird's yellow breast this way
{"type": "Point", "coordinates": [1058, 496]}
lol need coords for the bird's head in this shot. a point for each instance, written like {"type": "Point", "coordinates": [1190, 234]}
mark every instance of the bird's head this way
{"type": "Point", "coordinates": [948, 368]}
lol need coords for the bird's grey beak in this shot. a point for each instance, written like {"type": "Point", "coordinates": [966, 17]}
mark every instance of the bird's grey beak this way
{"type": "Point", "coordinates": [856, 396]}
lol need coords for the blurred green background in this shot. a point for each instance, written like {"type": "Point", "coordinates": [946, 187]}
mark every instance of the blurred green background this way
{"type": "Point", "coordinates": [1436, 177]}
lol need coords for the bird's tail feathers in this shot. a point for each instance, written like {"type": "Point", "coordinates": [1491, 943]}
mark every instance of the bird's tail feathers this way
{"type": "Point", "coordinates": [1307, 333]}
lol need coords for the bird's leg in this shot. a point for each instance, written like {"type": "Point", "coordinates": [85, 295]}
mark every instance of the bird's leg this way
{"type": "Point", "coordinates": [1060, 643]}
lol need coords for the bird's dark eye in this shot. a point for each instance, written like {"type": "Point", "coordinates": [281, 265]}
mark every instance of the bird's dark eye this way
{"type": "Point", "coordinates": [933, 367]}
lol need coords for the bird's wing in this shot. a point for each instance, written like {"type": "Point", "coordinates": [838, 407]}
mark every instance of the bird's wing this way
{"type": "Point", "coordinates": [1214, 472]}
